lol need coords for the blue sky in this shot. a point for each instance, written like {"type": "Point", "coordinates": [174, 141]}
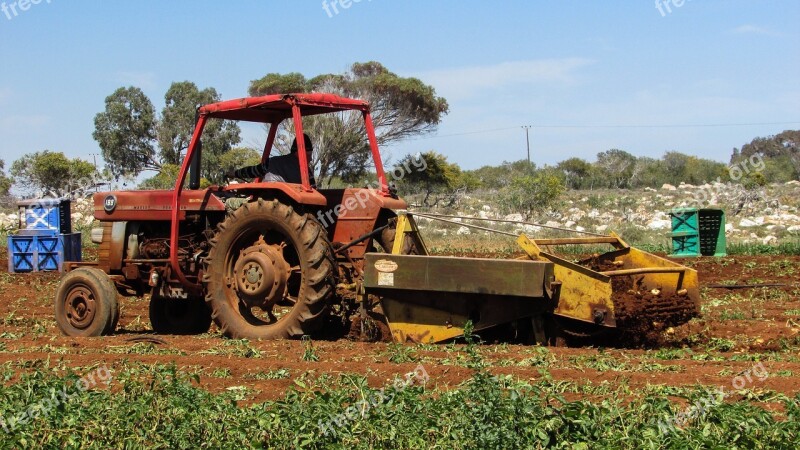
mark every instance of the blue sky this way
{"type": "Point", "coordinates": [588, 75]}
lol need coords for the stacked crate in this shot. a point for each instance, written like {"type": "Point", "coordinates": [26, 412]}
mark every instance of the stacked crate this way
{"type": "Point", "coordinates": [698, 232]}
{"type": "Point", "coordinates": [45, 239]}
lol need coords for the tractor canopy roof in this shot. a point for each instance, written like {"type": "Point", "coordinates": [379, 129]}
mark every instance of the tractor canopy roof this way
{"type": "Point", "coordinates": [275, 108]}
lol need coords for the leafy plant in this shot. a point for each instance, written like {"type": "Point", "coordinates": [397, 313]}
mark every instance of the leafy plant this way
{"type": "Point", "coordinates": [309, 354]}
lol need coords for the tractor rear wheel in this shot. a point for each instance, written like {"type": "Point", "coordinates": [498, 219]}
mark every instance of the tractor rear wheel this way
{"type": "Point", "coordinates": [269, 273]}
{"type": "Point", "coordinates": [86, 303]}
{"type": "Point", "coordinates": [179, 316]}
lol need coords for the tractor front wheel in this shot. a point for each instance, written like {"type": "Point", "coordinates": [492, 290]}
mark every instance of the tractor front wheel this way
{"type": "Point", "coordinates": [86, 303]}
{"type": "Point", "coordinates": [269, 273]}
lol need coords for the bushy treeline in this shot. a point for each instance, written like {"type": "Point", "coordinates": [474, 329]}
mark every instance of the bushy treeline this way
{"type": "Point", "coordinates": [774, 159]}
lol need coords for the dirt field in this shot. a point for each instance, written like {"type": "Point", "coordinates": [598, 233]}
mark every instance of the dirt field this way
{"type": "Point", "coordinates": [738, 329]}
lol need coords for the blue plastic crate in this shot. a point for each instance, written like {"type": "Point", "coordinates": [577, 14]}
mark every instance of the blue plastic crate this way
{"type": "Point", "coordinates": [42, 252]}
{"type": "Point", "coordinates": [45, 215]}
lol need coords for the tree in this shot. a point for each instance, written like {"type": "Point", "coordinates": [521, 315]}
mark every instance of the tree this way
{"type": "Point", "coordinates": [126, 132]}
{"type": "Point", "coordinates": [176, 126]}
{"type": "Point", "coordinates": [400, 107]}
{"type": "Point", "coordinates": [164, 179]}
{"type": "Point", "coordinates": [5, 181]}
{"type": "Point", "coordinates": [52, 172]}
{"type": "Point", "coordinates": [780, 155]}
{"type": "Point", "coordinates": [428, 173]}
{"type": "Point", "coordinates": [239, 157]}
{"type": "Point", "coordinates": [618, 165]}
{"type": "Point", "coordinates": [533, 194]}
{"type": "Point", "coordinates": [498, 177]}
{"type": "Point", "coordinates": [576, 171]}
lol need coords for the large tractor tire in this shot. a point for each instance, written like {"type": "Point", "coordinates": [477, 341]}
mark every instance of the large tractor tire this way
{"type": "Point", "coordinates": [270, 273]}
{"type": "Point", "coordinates": [173, 316]}
{"type": "Point", "coordinates": [86, 303]}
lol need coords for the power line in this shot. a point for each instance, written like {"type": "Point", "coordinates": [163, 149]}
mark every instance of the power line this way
{"type": "Point", "coordinates": [711, 125]}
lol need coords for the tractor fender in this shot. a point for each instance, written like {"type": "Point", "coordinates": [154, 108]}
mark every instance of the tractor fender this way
{"type": "Point", "coordinates": [295, 192]}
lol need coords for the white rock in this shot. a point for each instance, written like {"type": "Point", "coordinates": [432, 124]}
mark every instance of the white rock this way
{"type": "Point", "coordinates": [569, 224]}
{"type": "Point", "coordinates": [747, 223]}
{"type": "Point", "coordinates": [531, 229]}
{"type": "Point", "coordinates": [793, 229]}
{"type": "Point", "coordinates": [601, 228]}
{"type": "Point", "coordinates": [769, 240]}
{"type": "Point", "coordinates": [668, 187]}
{"type": "Point", "coordinates": [659, 224]}
{"type": "Point", "coordinates": [580, 228]}
{"type": "Point", "coordinates": [729, 228]}
{"type": "Point", "coordinates": [486, 208]}
{"type": "Point", "coordinates": [517, 217]}
{"type": "Point", "coordinates": [551, 223]}
{"type": "Point", "coordinates": [462, 231]}
{"type": "Point", "coordinates": [793, 183]}
{"type": "Point", "coordinates": [593, 214]}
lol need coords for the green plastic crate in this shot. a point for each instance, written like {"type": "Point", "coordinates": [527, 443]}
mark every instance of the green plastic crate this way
{"type": "Point", "coordinates": [698, 232]}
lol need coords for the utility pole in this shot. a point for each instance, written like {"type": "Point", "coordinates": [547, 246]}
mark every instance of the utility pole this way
{"type": "Point", "coordinates": [528, 142]}
{"type": "Point", "coordinates": [94, 158]}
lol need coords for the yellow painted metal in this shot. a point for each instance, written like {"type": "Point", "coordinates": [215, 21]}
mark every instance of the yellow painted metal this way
{"type": "Point", "coordinates": [421, 324]}
{"type": "Point", "coordinates": [407, 229]}
{"type": "Point", "coordinates": [673, 278]}
{"type": "Point", "coordinates": [584, 291]}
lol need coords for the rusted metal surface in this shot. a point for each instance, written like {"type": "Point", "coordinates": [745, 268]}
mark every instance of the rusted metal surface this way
{"type": "Point", "coordinates": [153, 205]}
{"type": "Point", "coordinates": [271, 109]}
{"type": "Point", "coordinates": [296, 192]}
{"type": "Point", "coordinates": [353, 213]}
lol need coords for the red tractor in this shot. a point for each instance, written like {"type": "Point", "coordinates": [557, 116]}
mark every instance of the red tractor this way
{"type": "Point", "coordinates": [262, 259]}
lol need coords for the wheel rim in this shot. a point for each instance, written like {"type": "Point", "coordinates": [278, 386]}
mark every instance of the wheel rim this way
{"type": "Point", "coordinates": [80, 306]}
{"type": "Point", "coordinates": [263, 277]}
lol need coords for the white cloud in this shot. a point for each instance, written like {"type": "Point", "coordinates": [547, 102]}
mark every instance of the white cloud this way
{"type": "Point", "coordinates": [461, 82]}
{"type": "Point", "coordinates": [753, 29]}
{"type": "Point", "coordinates": [144, 80]}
